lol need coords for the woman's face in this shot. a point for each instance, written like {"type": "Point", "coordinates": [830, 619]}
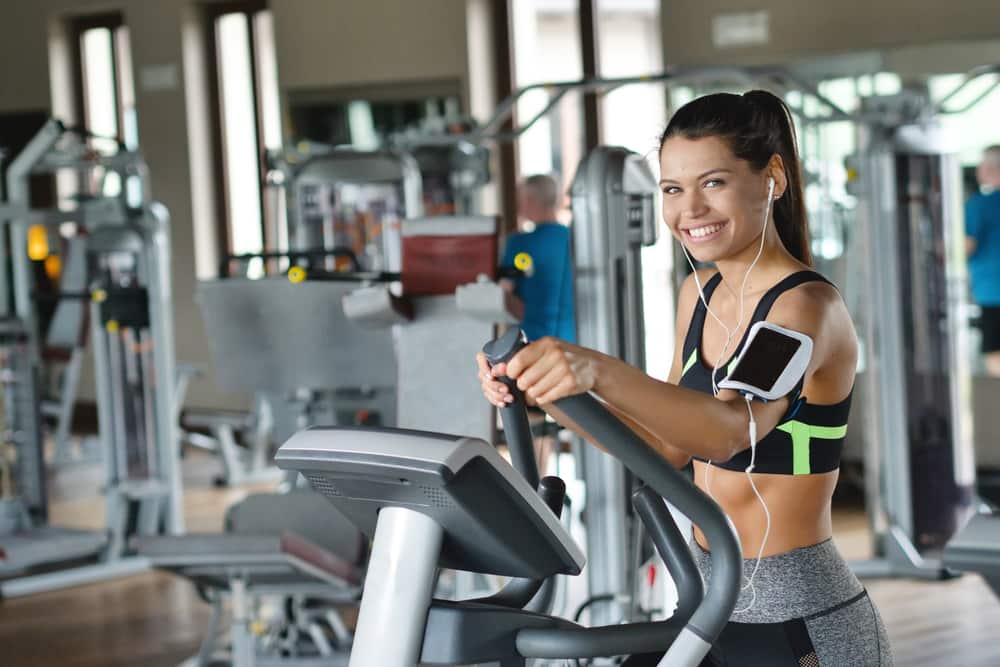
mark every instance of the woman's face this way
{"type": "Point", "coordinates": [713, 202]}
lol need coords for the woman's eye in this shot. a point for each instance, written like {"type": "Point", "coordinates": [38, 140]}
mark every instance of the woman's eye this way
{"type": "Point", "coordinates": [714, 183]}
{"type": "Point", "coordinates": [671, 190]}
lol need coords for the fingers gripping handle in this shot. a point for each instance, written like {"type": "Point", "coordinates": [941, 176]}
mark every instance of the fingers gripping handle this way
{"type": "Point", "coordinates": [515, 415]}
{"type": "Point", "coordinates": [502, 349]}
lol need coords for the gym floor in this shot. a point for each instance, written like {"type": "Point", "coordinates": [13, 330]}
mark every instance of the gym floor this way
{"type": "Point", "coordinates": [157, 620]}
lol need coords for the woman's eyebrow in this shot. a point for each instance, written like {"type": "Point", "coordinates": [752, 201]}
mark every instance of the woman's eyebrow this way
{"type": "Point", "coordinates": [664, 181]}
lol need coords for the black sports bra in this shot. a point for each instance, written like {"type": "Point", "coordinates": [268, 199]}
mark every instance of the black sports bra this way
{"type": "Point", "coordinates": [810, 439]}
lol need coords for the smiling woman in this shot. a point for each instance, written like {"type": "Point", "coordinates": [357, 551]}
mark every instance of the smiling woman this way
{"type": "Point", "coordinates": [732, 196]}
{"type": "Point", "coordinates": [690, 202]}
{"type": "Point", "coordinates": [747, 139]}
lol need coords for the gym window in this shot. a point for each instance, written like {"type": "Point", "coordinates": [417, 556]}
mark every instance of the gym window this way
{"type": "Point", "coordinates": [629, 43]}
{"type": "Point", "coordinates": [104, 96]}
{"type": "Point", "coordinates": [247, 119]}
{"type": "Point", "coordinates": [546, 41]}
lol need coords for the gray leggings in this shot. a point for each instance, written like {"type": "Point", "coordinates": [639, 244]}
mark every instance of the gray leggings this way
{"type": "Point", "coordinates": [812, 603]}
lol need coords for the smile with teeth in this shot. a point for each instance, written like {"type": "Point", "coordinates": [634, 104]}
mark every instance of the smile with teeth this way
{"type": "Point", "coordinates": [704, 232]}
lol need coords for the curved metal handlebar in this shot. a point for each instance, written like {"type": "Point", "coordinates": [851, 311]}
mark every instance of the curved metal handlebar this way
{"type": "Point", "coordinates": [690, 642]}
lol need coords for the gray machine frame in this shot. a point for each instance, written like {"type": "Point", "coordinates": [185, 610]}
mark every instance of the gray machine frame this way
{"type": "Point", "coordinates": [155, 501]}
{"type": "Point", "coordinates": [916, 375]}
{"type": "Point", "coordinates": [974, 549]}
{"type": "Point", "coordinates": [309, 374]}
{"type": "Point", "coordinates": [315, 165]}
{"type": "Point", "coordinates": [614, 217]}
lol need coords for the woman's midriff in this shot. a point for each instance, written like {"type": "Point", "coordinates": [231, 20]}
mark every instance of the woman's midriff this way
{"type": "Point", "coordinates": [799, 507]}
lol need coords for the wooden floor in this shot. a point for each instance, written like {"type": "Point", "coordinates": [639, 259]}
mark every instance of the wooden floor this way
{"type": "Point", "coordinates": [153, 619]}
{"type": "Point", "coordinates": [157, 620]}
{"type": "Point", "coordinates": [930, 623]}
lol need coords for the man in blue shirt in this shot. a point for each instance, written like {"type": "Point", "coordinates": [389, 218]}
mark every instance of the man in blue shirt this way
{"type": "Point", "coordinates": [982, 230]}
{"type": "Point", "coordinates": [547, 289]}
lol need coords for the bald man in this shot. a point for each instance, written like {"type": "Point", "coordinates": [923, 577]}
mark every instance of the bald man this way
{"type": "Point", "coordinates": [982, 229]}
{"type": "Point", "coordinates": [547, 292]}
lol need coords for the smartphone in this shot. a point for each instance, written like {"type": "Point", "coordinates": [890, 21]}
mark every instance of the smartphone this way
{"type": "Point", "coordinates": [770, 365]}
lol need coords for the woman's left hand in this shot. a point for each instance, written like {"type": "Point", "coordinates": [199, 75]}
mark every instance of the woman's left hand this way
{"type": "Point", "coordinates": [550, 369]}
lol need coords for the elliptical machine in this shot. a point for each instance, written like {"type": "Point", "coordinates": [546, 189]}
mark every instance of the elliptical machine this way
{"type": "Point", "coordinates": [431, 500]}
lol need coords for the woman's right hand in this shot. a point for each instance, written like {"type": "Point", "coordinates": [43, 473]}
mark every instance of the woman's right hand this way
{"type": "Point", "coordinates": [496, 392]}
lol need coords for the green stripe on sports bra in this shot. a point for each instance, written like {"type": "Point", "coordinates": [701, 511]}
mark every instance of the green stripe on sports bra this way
{"type": "Point", "coordinates": [693, 359]}
{"type": "Point", "coordinates": [802, 434]}
{"type": "Point", "coordinates": [690, 362]}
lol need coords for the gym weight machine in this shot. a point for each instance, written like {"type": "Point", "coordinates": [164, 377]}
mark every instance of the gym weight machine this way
{"type": "Point", "coordinates": [128, 260]}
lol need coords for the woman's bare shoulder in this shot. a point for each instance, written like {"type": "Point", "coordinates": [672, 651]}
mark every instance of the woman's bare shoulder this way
{"type": "Point", "coordinates": [817, 310]}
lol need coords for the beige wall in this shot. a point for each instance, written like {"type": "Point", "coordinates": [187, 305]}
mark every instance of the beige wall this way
{"type": "Point", "coordinates": [804, 28]}
{"type": "Point", "coordinates": [331, 43]}
{"type": "Point", "coordinates": [155, 30]}
{"type": "Point", "coordinates": [24, 82]}
{"type": "Point", "coordinates": [321, 43]}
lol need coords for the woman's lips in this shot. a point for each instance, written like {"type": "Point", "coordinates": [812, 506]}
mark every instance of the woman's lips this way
{"type": "Point", "coordinates": [704, 233]}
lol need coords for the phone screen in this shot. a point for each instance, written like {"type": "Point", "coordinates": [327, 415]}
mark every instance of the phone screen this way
{"type": "Point", "coordinates": [765, 359]}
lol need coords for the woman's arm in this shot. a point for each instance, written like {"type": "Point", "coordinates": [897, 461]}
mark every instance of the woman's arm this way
{"type": "Point", "coordinates": [692, 422]}
{"type": "Point", "coordinates": [696, 423]}
{"type": "Point", "coordinates": [685, 310]}
{"type": "Point", "coordinates": [676, 457]}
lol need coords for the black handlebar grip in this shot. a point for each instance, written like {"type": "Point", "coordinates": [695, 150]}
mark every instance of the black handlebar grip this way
{"type": "Point", "coordinates": [517, 430]}
{"type": "Point", "coordinates": [553, 492]}
{"type": "Point", "coordinates": [504, 348]}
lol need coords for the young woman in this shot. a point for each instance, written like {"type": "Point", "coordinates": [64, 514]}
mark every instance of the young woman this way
{"type": "Point", "coordinates": [732, 195]}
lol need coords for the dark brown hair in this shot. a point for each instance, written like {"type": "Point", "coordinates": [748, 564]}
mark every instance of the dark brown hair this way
{"type": "Point", "coordinates": [756, 125]}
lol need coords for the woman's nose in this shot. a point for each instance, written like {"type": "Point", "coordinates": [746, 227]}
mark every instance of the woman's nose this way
{"type": "Point", "coordinates": [693, 204]}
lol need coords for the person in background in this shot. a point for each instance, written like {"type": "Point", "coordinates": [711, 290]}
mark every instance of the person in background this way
{"type": "Point", "coordinates": [547, 288]}
{"type": "Point", "coordinates": [982, 230]}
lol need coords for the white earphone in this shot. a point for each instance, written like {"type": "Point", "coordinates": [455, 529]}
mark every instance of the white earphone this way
{"type": "Point", "coordinates": [715, 389]}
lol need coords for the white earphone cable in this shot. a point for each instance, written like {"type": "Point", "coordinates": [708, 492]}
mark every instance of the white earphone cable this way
{"type": "Point", "coordinates": [730, 333]}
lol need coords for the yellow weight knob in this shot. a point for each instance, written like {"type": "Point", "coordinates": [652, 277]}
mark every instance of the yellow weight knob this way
{"type": "Point", "coordinates": [99, 296]}
{"type": "Point", "coordinates": [38, 243]}
{"type": "Point", "coordinates": [53, 267]}
{"type": "Point", "coordinates": [523, 261]}
{"type": "Point", "coordinates": [112, 326]}
{"type": "Point", "coordinates": [296, 274]}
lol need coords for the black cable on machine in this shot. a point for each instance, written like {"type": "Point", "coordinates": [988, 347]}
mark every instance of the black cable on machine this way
{"type": "Point", "coordinates": [604, 597]}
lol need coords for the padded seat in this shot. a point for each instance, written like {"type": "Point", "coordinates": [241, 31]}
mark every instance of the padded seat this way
{"type": "Point", "coordinates": [259, 560]}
